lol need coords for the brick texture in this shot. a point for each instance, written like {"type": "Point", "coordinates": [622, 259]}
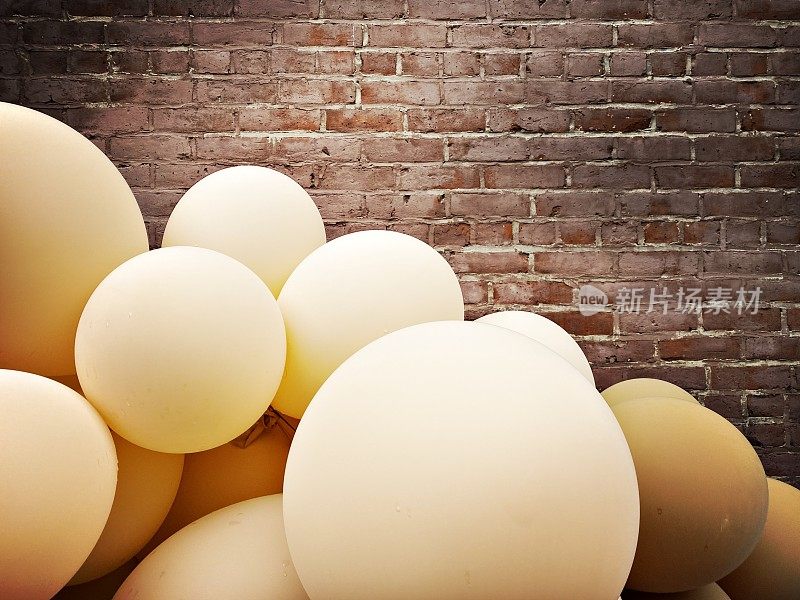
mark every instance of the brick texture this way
{"type": "Point", "coordinates": [540, 146]}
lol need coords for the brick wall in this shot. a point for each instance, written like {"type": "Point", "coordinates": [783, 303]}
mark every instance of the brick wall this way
{"type": "Point", "coordinates": [539, 144]}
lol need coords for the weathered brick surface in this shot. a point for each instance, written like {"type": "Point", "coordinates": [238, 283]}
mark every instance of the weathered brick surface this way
{"type": "Point", "coordinates": [540, 146]}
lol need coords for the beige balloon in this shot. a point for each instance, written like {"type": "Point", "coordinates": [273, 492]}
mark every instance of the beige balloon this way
{"type": "Point", "coordinates": [102, 588]}
{"type": "Point", "coordinates": [644, 387]}
{"type": "Point", "coordinates": [58, 471]}
{"type": "Point", "coordinates": [350, 292]}
{"type": "Point", "coordinates": [238, 552]}
{"type": "Point", "coordinates": [257, 215]}
{"type": "Point", "coordinates": [180, 349]}
{"type": "Point", "coordinates": [226, 475]}
{"type": "Point", "coordinates": [772, 571]}
{"type": "Point", "coordinates": [545, 331]}
{"type": "Point", "coordinates": [146, 485]}
{"type": "Point", "coordinates": [708, 592]}
{"type": "Point", "coordinates": [460, 460]}
{"type": "Point", "coordinates": [702, 490]}
{"type": "Point", "coordinates": [67, 219]}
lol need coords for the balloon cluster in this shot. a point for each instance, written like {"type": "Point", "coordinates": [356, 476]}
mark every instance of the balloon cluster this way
{"type": "Point", "coordinates": [150, 446]}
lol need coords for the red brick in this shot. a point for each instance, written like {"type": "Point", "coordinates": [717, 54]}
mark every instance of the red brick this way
{"type": "Point", "coordinates": [545, 63]}
{"type": "Point", "coordinates": [316, 91]}
{"type": "Point", "coordinates": [531, 292]}
{"type": "Point", "coordinates": [490, 36]}
{"type": "Point", "coordinates": [577, 35]}
{"type": "Point", "coordinates": [407, 35]}
{"type": "Point", "coordinates": [400, 206]}
{"type": "Point", "coordinates": [741, 263]}
{"type": "Point", "coordinates": [544, 91]}
{"type": "Point", "coordinates": [709, 63]}
{"type": "Point", "coordinates": [780, 233]}
{"type": "Point", "coordinates": [280, 60]}
{"type": "Point", "coordinates": [363, 9]}
{"type": "Point", "coordinates": [340, 206]}
{"type": "Point", "coordinates": [668, 64]}
{"type": "Point", "coordinates": [89, 61]}
{"type": "Point", "coordinates": [319, 34]}
{"type": "Point", "coordinates": [234, 149]}
{"type": "Point", "coordinates": [239, 33]}
{"type": "Point", "coordinates": [656, 35]}
{"type": "Point", "coordinates": [785, 63]}
{"type": "Point", "coordinates": [696, 120]}
{"type": "Point", "coordinates": [623, 351]}
{"type": "Point", "coordinates": [211, 61]}
{"type": "Point", "coordinates": [697, 10]}
{"type": "Point", "coordinates": [745, 64]}
{"type": "Point", "coordinates": [577, 324]}
{"type": "Point", "coordinates": [729, 92]}
{"type": "Point", "coordinates": [493, 234]}
{"type": "Point", "coordinates": [200, 120]}
{"type": "Point", "coordinates": [181, 175]}
{"type": "Point", "coordinates": [336, 61]}
{"type": "Point", "coordinates": [658, 263]}
{"type": "Point", "coordinates": [234, 91]}
{"type": "Point", "coordinates": [737, 35]}
{"type": "Point", "coordinates": [646, 322]}
{"type": "Point", "coordinates": [64, 91]}
{"type": "Point", "coordinates": [578, 233]}
{"type": "Point", "coordinates": [750, 378]}
{"type": "Point", "coordinates": [788, 92]}
{"type": "Point", "coordinates": [702, 232]}
{"type": "Point", "coordinates": [574, 204]}
{"type": "Point", "coordinates": [767, 9]}
{"type": "Point", "coordinates": [528, 9]}
{"type": "Point", "coordinates": [618, 233]}
{"type": "Point", "coordinates": [612, 119]}
{"type": "Point", "coordinates": [496, 63]}
{"type": "Point", "coordinates": [35, 8]}
{"type": "Point", "coordinates": [538, 234]}
{"type": "Point", "coordinates": [148, 33]}
{"type": "Point", "coordinates": [150, 147]}
{"type": "Point", "coordinates": [765, 320]}
{"type": "Point", "coordinates": [474, 292]}
{"type": "Point", "coordinates": [368, 119]}
{"type": "Point", "coordinates": [278, 8]}
{"type": "Point", "coordinates": [188, 8]}
{"type": "Point", "coordinates": [437, 177]}
{"type": "Point", "coordinates": [699, 348]}
{"type": "Point", "coordinates": [109, 119]}
{"type": "Point", "coordinates": [742, 234]}
{"type": "Point", "coordinates": [157, 203]}
{"type": "Point", "coordinates": [499, 204]}
{"type": "Point", "coordinates": [489, 148]}
{"type": "Point", "coordinates": [651, 91]}
{"type": "Point", "coordinates": [420, 63]}
{"type": "Point", "coordinates": [400, 92]}
{"type": "Point", "coordinates": [588, 64]}
{"type": "Point", "coordinates": [279, 119]}
{"type": "Point", "coordinates": [728, 147]}
{"type": "Point", "coordinates": [293, 149]}
{"type": "Point", "coordinates": [63, 33]}
{"type": "Point", "coordinates": [405, 149]}
{"type": "Point", "coordinates": [446, 10]}
{"type": "Point", "coordinates": [483, 92]}
{"type": "Point", "coordinates": [489, 262]}
{"type": "Point", "coordinates": [353, 177]}
{"type": "Point", "coordinates": [524, 176]}
{"type": "Point", "coordinates": [781, 175]}
{"type": "Point", "coordinates": [451, 235]}
{"type": "Point", "coordinates": [446, 119]}
{"type": "Point", "coordinates": [460, 64]}
{"type": "Point", "coordinates": [772, 119]}
{"type": "Point", "coordinates": [378, 63]}
{"type": "Point", "coordinates": [653, 148]}
{"type": "Point", "coordinates": [628, 64]}
{"type": "Point", "coordinates": [615, 176]}
{"type": "Point", "coordinates": [694, 176]}
{"type": "Point", "coordinates": [45, 62]}
{"type": "Point", "coordinates": [538, 120]}
{"type": "Point", "coordinates": [689, 378]}
{"type": "Point", "coordinates": [661, 232]}
{"type": "Point", "coordinates": [742, 203]}
{"type": "Point", "coordinates": [609, 9]}
{"type": "Point", "coordinates": [574, 263]}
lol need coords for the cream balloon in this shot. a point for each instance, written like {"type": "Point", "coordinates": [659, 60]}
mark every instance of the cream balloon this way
{"type": "Point", "coordinates": [350, 292]}
{"type": "Point", "coordinates": [702, 490]}
{"type": "Point", "coordinates": [708, 592]}
{"type": "Point", "coordinates": [413, 475]}
{"type": "Point", "coordinates": [102, 588]}
{"type": "Point", "coordinates": [180, 349]}
{"type": "Point", "coordinates": [67, 219]}
{"type": "Point", "coordinates": [644, 387]}
{"type": "Point", "coordinates": [772, 571]}
{"type": "Point", "coordinates": [225, 475]}
{"type": "Point", "coordinates": [257, 215]}
{"type": "Point", "coordinates": [543, 330]}
{"type": "Point", "coordinates": [237, 552]}
{"type": "Point", "coordinates": [146, 485]}
{"type": "Point", "coordinates": [58, 471]}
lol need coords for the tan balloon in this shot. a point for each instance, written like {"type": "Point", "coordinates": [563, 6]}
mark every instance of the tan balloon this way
{"type": "Point", "coordinates": [644, 387]}
{"type": "Point", "coordinates": [67, 219]}
{"type": "Point", "coordinates": [226, 475]}
{"type": "Point", "coordinates": [146, 485]}
{"type": "Point", "coordinates": [772, 571]}
{"type": "Point", "coordinates": [180, 349]}
{"type": "Point", "coordinates": [257, 215]}
{"type": "Point", "coordinates": [238, 552]}
{"type": "Point", "coordinates": [58, 471]}
{"type": "Point", "coordinates": [702, 490]}
{"type": "Point", "coordinates": [460, 460]}
{"type": "Point", "coordinates": [102, 588]}
{"type": "Point", "coordinates": [350, 292]}
{"type": "Point", "coordinates": [545, 331]}
{"type": "Point", "coordinates": [708, 592]}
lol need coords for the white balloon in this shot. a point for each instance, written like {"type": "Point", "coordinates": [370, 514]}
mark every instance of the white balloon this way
{"type": "Point", "coordinates": [350, 292]}
{"type": "Point", "coordinates": [236, 553]}
{"type": "Point", "coordinates": [259, 216]}
{"type": "Point", "coordinates": [545, 331]}
{"type": "Point", "coordinates": [460, 460]}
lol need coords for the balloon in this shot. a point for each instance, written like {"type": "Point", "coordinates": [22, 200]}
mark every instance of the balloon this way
{"type": "Point", "coordinates": [180, 349]}
{"type": "Point", "coordinates": [543, 330]}
{"type": "Point", "coordinates": [237, 552]}
{"type": "Point", "coordinates": [67, 219]}
{"type": "Point", "coordinates": [146, 485]}
{"type": "Point", "coordinates": [460, 460]}
{"type": "Point", "coordinates": [644, 387]}
{"type": "Point", "coordinates": [772, 571]}
{"type": "Point", "coordinates": [256, 215]}
{"type": "Point", "coordinates": [708, 592]}
{"type": "Point", "coordinates": [228, 474]}
{"type": "Point", "coordinates": [58, 471]}
{"type": "Point", "coordinates": [102, 588]}
{"type": "Point", "coordinates": [702, 490]}
{"type": "Point", "coordinates": [350, 292]}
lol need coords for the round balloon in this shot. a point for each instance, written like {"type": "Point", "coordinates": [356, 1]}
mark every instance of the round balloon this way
{"type": "Point", "coordinates": [225, 475]}
{"type": "Point", "coordinates": [236, 552]}
{"type": "Point", "coordinates": [352, 291]}
{"type": "Point", "coordinates": [180, 349]}
{"type": "Point", "coordinates": [58, 471]}
{"type": "Point", "coordinates": [708, 592]}
{"type": "Point", "coordinates": [146, 485]}
{"type": "Point", "coordinates": [257, 215]}
{"type": "Point", "coordinates": [702, 490]}
{"type": "Point", "coordinates": [644, 387]}
{"type": "Point", "coordinates": [67, 219]}
{"type": "Point", "coordinates": [543, 330]}
{"type": "Point", "coordinates": [772, 571]}
{"type": "Point", "coordinates": [102, 588]}
{"type": "Point", "coordinates": [413, 475]}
